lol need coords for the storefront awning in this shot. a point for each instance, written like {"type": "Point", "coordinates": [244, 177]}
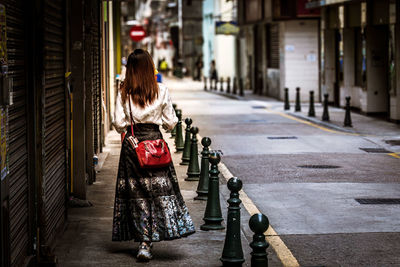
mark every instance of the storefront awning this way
{"type": "Point", "coordinates": [321, 3]}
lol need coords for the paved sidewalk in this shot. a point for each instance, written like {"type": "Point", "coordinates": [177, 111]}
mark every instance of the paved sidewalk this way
{"type": "Point", "coordinates": [87, 240]}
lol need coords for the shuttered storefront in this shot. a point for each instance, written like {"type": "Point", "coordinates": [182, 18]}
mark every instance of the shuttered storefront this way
{"type": "Point", "coordinates": [18, 151]}
{"type": "Point", "coordinates": [54, 124]}
{"type": "Point", "coordinates": [96, 93]}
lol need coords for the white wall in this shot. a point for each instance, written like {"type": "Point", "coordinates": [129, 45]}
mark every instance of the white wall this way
{"type": "Point", "coordinates": [300, 57]}
{"type": "Point", "coordinates": [225, 45]}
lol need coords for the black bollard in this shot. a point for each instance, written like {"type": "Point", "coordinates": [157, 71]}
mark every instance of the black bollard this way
{"type": "Point", "coordinates": [311, 109]}
{"type": "Point", "coordinates": [232, 255]}
{"type": "Point", "coordinates": [221, 84]}
{"type": "Point", "coordinates": [228, 86]}
{"type": "Point", "coordinates": [202, 187]}
{"type": "Point", "coordinates": [325, 114]}
{"type": "Point", "coordinates": [298, 106]}
{"type": "Point", "coordinates": [287, 104]}
{"type": "Point", "coordinates": [213, 215]}
{"type": "Point", "coordinates": [186, 146]}
{"type": "Point", "coordinates": [193, 172]}
{"type": "Point", "coordinates": [241, 87]}
{"type": "Point", "coordinates": [179, 136]}
{"type": "Point", "coordinates": [347, 117]}
{"type": "Point", "coordinates": [234, 90]}
{"type": "Point", "coordinates": [259, 224]}
{"type": "Point", "coordinates": [215, 84]}
{"type": "Point", "coordinates": [205, 83]}
{"type": "Point", "coordinates": [173, 132]}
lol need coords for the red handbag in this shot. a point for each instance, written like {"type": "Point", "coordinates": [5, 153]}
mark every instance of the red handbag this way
{"type": "Point", "coordinates": [150, 153]}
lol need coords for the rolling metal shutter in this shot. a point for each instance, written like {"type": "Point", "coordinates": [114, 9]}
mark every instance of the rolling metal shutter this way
{"type": "Point", "coordinates": [54, 124]}
{"type": "Point", "coordinates": [274, 46]}
{"type": "Point", "coordinates": [18, 151]}
{"type": "Point", "coordinates": [96, 78]}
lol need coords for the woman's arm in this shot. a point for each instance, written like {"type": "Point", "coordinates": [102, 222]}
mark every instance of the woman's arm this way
{"type": "Point", "coordinates": [169, 118]}
{"type": "Point", "coordinates": [119, 121]}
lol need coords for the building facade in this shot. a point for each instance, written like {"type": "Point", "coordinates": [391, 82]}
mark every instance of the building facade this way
{"type": "Point", "coordinates": [279, 47]}
{"type": "Point", "coordinates": [359, 56]}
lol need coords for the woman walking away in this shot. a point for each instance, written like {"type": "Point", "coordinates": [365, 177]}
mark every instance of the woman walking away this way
{"type": "Point", "coordinates": [148, 204]}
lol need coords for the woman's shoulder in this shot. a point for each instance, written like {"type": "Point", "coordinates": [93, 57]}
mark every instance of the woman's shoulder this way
{"type": "Point", "coordinates": [163, 90]}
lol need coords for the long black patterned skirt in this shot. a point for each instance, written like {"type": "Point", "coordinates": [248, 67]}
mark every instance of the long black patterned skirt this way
{"type": "Point", "coordinates": [148, 203]}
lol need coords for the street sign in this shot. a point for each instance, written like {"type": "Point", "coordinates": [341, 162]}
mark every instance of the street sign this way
{"type": "Point", "coordinates": [226, 27]}
{"type": "Point", "coordinates": [137, 33]}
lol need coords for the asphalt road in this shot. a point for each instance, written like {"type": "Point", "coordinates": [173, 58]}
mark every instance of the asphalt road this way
{"type": "Point", "coordinates": [313, 210]}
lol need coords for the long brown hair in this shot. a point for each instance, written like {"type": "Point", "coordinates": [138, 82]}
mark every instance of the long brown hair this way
{"type": "Point", "coordinates": [140, 83]}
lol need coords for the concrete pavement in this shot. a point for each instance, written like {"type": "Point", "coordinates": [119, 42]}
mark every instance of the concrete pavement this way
{"type": "Point", "coordinates": [312, 207]}
{"type": "Point", "coordinates": [303, 175]}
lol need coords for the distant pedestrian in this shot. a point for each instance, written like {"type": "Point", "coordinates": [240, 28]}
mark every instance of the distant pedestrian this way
{"type": "Point", "coordinates": [199, 67]}
{"type": "Point", "coordinates": [213, 74]}
{"type": "Point", "coordinates": [148, 205]}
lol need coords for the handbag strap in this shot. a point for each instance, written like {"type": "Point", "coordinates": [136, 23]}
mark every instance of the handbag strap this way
{"type": "Point", "coordinates": [130, 114]}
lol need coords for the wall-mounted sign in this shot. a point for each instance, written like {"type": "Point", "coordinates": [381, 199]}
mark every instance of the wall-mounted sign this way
{"type": "Point", "coordinates": [226, 27]}
{"type": "Point", "coordinates": [137, 33]}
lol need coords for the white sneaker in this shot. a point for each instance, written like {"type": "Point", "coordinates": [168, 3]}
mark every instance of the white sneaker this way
{"type": "Point", "coordinates": [144, 253]}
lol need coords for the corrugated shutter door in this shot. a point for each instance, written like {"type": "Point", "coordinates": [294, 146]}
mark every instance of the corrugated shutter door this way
{"type": "Point", "coordinates": [96, 80]}
{"type": "Point", "coordinates": [18, 152]}
{"type": "Point", "coordinates": [274, 46]}
{"type": "Point", "coordinates": [54, 202]}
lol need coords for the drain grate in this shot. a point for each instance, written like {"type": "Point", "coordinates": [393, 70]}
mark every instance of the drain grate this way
{"type": "Point", "coordinates": [378, 201]}
{"type": "Point", "coordinates": [319, 166]}
{"type": "Point", "coordinates": [375, 150]}
{"type": "Point", "coordinates": [258, 107]}
{"type": "Point", "coordinates": [393, 142]}
{"type": "Point", "coordinates": [281, 137]}
{"type": "Point", "coordinates": [255, 121]}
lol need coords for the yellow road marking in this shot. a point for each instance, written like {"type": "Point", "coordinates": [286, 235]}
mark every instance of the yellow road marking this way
{"type": "Point", "coordinates": [310, 123]}
{"type": "Point", "coordinates": [395, 155]}
{"type": "Point", "coordinates": [282, 251]}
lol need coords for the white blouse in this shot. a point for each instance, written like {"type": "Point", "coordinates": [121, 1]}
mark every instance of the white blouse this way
{"type": "Point", "coordinates": [159, 112]}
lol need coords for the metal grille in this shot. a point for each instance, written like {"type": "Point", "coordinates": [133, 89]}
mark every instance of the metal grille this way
{"type": "Point", "coordinates": [96, 100]}
{"type": "Point", "coordinates": [258, 107]}
{"type": "Point", "coordinates": [378, 201]}
{"type": "Point", "coordinates": [319, 166]}
{"type": "Point", "coordinates": [54, 136]}
{"type": "Point", "coordinates": [281, 137]}
{"type": "Point", "coordinates": [273, 46]}
{"type": "Point", "coordinates": [375, 150]}
{"type": "Point", "coordinates": [18, 152]}
{"type": "Point", "coordinates": [393, 142]}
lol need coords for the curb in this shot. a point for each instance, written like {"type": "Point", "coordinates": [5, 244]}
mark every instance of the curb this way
{"type": "Point", "coordinates": [322, 123]}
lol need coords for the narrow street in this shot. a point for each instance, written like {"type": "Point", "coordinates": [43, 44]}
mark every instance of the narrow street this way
{"type": "Point", "coordinates": [304, 176]}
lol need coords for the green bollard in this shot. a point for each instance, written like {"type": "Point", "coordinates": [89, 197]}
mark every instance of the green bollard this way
{"type": "Point", "coordinates": [325, 113]}
{"type": "Point", "coordinates": [193, 172]}
{"type": "Point", "coordinates": [212, 215]}
{"type": "Point", "coordinates": [228, 85]}
{"type": "Point", "coordinates": [186, 147]}
{"type": "Point", "coordinates": [179, 136]}
{"type": "Point", "coordinates": [259, 224]}
{"type": "Point", "coordinates": [202, 187]}
{"type": "Point", "coordinates": [347, 116]}
{"type": "Point", "coordinates": [311, 110]}
{"type": "Point", "coordinates": [173, 132]}
{"type": "Point", "coordinates": [221, 84]}
{"type": "Point", "coordinates": [205, 83]}
{"type": "Point", "coordinates": [234, 90]}
{"type": "Point", "coordinates": [297, 107]}
{"type": "Point", "coordinates": [287, 104]}
{"type": "Point", "coordinates": [241, 87]}
{"type": "Point", "coordinates": [232, 255]}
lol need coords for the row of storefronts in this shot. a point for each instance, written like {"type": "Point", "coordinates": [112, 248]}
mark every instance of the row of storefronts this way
{"type": "Point", "coordinates": [55, 98]}
{"type": "Point", "coordinates": [340, 47]}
